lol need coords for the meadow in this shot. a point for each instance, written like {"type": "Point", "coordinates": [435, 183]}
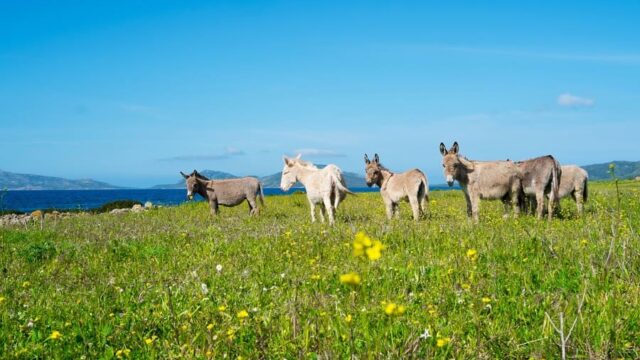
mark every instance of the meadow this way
{"type": "Point", "coordinates": [174, 283]}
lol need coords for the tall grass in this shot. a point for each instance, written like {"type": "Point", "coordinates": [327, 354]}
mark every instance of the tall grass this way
{"type": "Point", "coordinates": [172, 282]}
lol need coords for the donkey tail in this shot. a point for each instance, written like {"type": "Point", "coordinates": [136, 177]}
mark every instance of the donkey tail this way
{"type": "Point", "coordinates": [585, 191]}
{"type": "Point", "coordinates": [556, 172]}
{"type": "Point", "coordinates": [339, 183]}
{"type": "Point", "coordinates": [261, 194]}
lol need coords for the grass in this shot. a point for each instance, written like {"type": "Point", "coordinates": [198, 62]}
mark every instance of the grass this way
{"type": "Point", "coordinates": [173, 283]}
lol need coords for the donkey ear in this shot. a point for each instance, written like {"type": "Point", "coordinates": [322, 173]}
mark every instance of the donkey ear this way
{"type": "Point", "coordinates": [287, 161]}
{"type": "Point", "coordinates": [443, 149]}
{"type": "Point", "coordinates": [454, 149]}
{"type": "Point", "coordinates": [184, 175]}
{"type": "Point", "coordinates": [298, 156]}
{"type": "Point", "coordinates": [376, 158]}
{"type": "Point", "coordinates": [366, 159]}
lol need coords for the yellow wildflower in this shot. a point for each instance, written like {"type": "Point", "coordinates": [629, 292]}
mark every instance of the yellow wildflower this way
{"type": "Point", "coordinates": [55, 335]}
{"type": "Point", "coordinates": [350, 279]}
{"type": "Point", "coordinates": [231, 334]}
{"type": "Point", "coordinates": [26, 284]}
{"type": "Point", "coordinates": [348, 318]}
{"type": "Point", "coordinates": [466, 286]}
{"type": "Point", "coordinates": [2, 299]}
{"type": "Point", "coordinates": [364, 245]}
{"type": "Point", "coordinates": [150, 340]}
{"type": "Point", "coordinates": [486, 300]}
{"type": "Point", "coordinates": [242, 314]}
{"type": "Point", "coordinates": [472, 254]}
{"type": "Point", "coordinates": [222, 308]}
{"type": "Point", "coordinates": [210, 327]}
{"type": "Point", "coordinates": [393, 309]}
{"type": "Point", "coordinates": [209, 353]}
{"type": "Point", "coordinates": [584, 242]}
{"type": "Point", "coordinates": [442, 341]}
{"type": "Point", "coordinates": [432, 310]}
{"type": "Point", "coordinates": [315, 277]}
{"type": "Point", "coordinates": [123, 353]}
{"type": "Point", "coordinates": [184, 327]}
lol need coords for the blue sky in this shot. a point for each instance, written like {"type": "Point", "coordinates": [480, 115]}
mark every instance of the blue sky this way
{"type": "Point", "coordinates": [131, 92]}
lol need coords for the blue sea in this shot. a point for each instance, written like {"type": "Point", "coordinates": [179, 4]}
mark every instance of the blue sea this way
{"type": "Point", "coordinates": [30, 200]}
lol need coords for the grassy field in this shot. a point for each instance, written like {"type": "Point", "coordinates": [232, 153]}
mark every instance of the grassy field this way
{"type": "Point", "coordinates": [172, 283]}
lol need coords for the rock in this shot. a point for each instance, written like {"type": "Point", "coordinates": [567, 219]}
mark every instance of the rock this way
{"type": "Point", "coordinates": [148, 205]}
{"type": "Point", "coordinates": [137, 208]}
{"type": "Point", "coordinates": [119, 211]}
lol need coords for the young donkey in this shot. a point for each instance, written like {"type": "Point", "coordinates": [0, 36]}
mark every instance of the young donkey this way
{"type": "Point", "coordinates": [411, 185]}
{"type": "Point", "coordinates": [482, 180]}
{"type": "Point", "coordinates": [228, 192]}
{"type": "Point", "coordinates": [325, 186]}
{"type": "Point", "coordinates": [541, 176]}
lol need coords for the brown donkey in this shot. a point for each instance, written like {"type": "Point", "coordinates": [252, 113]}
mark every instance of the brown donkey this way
{"type": "Point", "coordinates": [410, 185]}
{"type": "Point", "coordinates": [229, 192]}
{"type": "Point", "coordinates": [541, 178]}
{"type": "Point", "coordinates": [493, 180]}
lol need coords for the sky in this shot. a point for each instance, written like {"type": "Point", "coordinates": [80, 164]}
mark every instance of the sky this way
{"type": "Point", "coordinates": [132, 92]}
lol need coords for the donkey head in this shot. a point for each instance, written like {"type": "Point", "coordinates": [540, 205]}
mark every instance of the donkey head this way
{"type": "Point", "coordinates": [289, 173]}
{"type": "Point", "coordinates": [373, 170]}
{"type": "Point", "coordinates": [454, 165]}
{"type": "Point", "coordinates": [194, 184]}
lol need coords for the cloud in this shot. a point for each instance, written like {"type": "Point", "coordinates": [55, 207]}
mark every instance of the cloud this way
{"type": "Point", "coordinates": [228, 153]}
{"type": "Point", "coordinates": [318, 153]}
{"type": "Point", "coordinates": [567, 99]}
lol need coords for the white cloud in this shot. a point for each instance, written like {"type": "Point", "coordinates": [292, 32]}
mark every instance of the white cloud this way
{"type": "Point", "coordinates": [567, 99]}
{"type": "Point", "coordinates": [310, 152]}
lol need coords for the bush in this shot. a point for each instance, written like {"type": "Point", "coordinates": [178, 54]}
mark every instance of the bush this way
{"type": "Point", "coordinates": [118, 204]}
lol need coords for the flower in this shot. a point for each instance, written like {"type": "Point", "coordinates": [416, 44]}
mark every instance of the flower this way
{"type": "Point", "coordinates": [348, 318]}
{"type": "Point", "coordinates": [425, 335]}
{"type": "Point", "coordinates": [123, 353]}
{"type": "Point", "coordinates": [393, 309]}
{"type": "Point", "coordinates": [584, 242]}
{"type": "Point", "coordinates": [315, 277]}
{"type": "Point", "coordinates": [472, 254]}
{"type": "Point", "coordinates": [26, 284]}
{"type": "Point", "coordinates": [55, 335]}
{"type": "Point", "coordinates": [486, 300]}
{"type": "Point", "coordinates": [204, 288]}
{"type": "Point", "coordinates": [218, 268]}
{"type": "Point", "coordinates": [209, 327]}
{"type": "Point", "coordinates": [242, 314]}
{"type": "Point", "coordinates": [231, 334]}
{"type": "Point", "coordinates": [150, 340]}
{"type": "Point", "coordinates": [364, 245]}
{"type": "Point", "coordinates": [442, 341]}
{"type": "Point", "coordinates": [350, 279]}
{"type": "Point", "coordinates": [2, 299]}
{"type": "Point", "coordinates": [222, 308]}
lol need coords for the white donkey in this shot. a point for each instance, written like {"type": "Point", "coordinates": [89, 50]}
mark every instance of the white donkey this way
{"type": "Point", "coordinates": [325, 186]}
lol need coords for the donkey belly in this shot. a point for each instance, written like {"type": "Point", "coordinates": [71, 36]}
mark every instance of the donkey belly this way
{"type": "Point", "coordinates": [231, 201]}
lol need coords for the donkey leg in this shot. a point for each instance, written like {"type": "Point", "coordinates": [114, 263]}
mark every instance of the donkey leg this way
{"type": "Point", "coordinates": [322, 212]}
{"type": "Point", "coordinates": [388, 206]}
{"type": "Point", "coordinates": [253, 206]}
{"type": "Point", "coordinates": [312, 206]}
{"type": "Point", "coordinates": [469, 207]}
{"type": "Point", "coordinates": [415, 207]}
{"type": "Point", "coordinates": [539, 204]}
{"type": "Point", "coordinates": [551, 205]}
{"type": "Point", "coordinates": [515, 203]}
{"type": "Point", "coordinates": [214, 207]}
{"type": "Point", "coordinates": [579, 201]}
{"type": "Point", "coordinates": [475, 207]}
{"type": "Point", "coordinates": [328, 205]}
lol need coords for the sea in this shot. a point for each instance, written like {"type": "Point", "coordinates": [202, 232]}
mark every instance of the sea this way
{"type": "Point", "coordinates": [31, 200]}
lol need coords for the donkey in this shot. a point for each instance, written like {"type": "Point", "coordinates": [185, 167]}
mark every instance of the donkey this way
{"type": "Point", "coordinates": [541, 178]}
{"type": "Point", "coordinates": [482, 180]}
{"type": "Point", "coordinates": [325, 186]}
{"type": "Point", "coordinates": [228, 192]}
{"type": "Point", "coordinates": [410, 185]}
{"type": "Point", "coordinates": [573, 181]}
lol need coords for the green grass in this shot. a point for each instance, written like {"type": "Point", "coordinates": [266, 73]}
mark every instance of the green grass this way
{"type": "Point", "coordinates": [110, 282]}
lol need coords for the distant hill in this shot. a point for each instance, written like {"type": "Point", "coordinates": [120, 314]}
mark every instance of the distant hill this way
{"type": "Point", "coordinates": [14, 181]}
{"type": "Point", "coordinates": [624, 170]}
{"type": "Point", "coordinates": [269, 181]}
{"type": "Point", "coordinates": [211, 174]}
